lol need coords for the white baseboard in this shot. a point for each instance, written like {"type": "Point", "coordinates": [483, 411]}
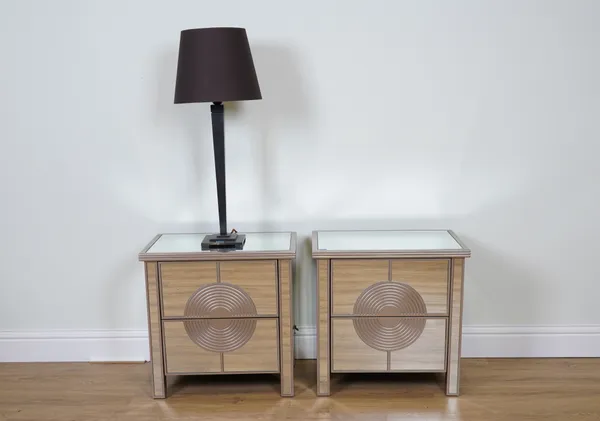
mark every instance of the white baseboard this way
{"type": "Point", "coordinates": [531, 341]}
{"type": "Point", "coordinates": [305, 343]}
{"type": "Point", "coordinates": [74, 345]}
{"type": "Point", "coordinates": [132, 345]}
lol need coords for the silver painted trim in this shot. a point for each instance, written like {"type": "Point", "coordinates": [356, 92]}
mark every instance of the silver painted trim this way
{"type": "Point", "coordinates": [389, 254]}
{"type": "Point", "coordinates": [458, 240]}
{"type": "Point", "coordinates": [354, 254]}
{"type": "Point", "coordinates": [151, 243]}
{"type": "Point", "coordinates": [216, 255]}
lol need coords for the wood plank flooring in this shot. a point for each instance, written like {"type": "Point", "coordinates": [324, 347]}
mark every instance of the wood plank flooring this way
{"type": "Point", "coordinates": [499, 389]}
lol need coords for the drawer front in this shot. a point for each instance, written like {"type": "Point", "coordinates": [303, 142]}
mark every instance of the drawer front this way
{"type": "Point", "coordinates": [427, 353]}
{"type": "Point", "coordinates": [221, 346]}
{"type": "Point", "coordinates": [183, 355]}
{"type": "Point", "coordinates": [350, 353]}
{"type": "Point", "coordinates": [260, 354]}
{"type": "Point", "coordinates": [430, 278]}
{"type": "Point", "coordinates": [363, 287]}
{"type": "Point", "coordinates": [258, 279]}
{"type": "Point", "coordinates": [215, 290]}
{"type": "Point", "coordinates": [374, 344]}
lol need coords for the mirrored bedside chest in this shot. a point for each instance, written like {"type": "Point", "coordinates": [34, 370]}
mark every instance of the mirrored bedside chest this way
{"type": "Point", "coordinates": [389, 301]}
{"type": "Point", "coordinates": [220, 312]}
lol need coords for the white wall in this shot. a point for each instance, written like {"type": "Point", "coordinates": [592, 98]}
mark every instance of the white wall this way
{"type": "Point", "coordinates": [480, 116]}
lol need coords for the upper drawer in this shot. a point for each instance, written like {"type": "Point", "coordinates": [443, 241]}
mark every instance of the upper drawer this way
{"type": "Point", "coordinates": [217, 290]}
{"type": "Point", "coordinates": [363, 287]}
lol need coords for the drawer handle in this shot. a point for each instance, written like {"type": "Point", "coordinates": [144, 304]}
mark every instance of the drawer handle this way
{"type": "Point", "coordinates": [384, 300]}
{"type": "Point", "coordinates": [221, 301]}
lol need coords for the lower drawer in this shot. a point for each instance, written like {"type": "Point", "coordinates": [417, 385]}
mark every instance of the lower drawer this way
{"type": "Point", "coordinates": [373, 344]}
{"type": "Point", "coordinates": [221, 346]}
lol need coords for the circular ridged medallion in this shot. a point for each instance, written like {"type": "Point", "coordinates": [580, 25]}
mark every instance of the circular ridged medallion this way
{"type": "Point", "coordinates": [383, 300]}
{"type": "Point", "coordinates": [389, 299]}
{"type": "Point", "coordinates": [220, 300]}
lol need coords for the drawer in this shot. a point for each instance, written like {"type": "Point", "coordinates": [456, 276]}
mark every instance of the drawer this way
{"type": "Point", "coordinates": [363, 287]}
{"type": "Point", "coordinates": [430, 278]}
{"type": "Point", "coordinates": [219, 289]}
{"type": "Point", "coordinates": [372, 344]}
{"type": "Point", "coordinates": [260, 354]}
{"type": "Point", "coordinates": [221, 346]}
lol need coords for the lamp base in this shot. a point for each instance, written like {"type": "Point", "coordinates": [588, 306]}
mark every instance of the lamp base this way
{"type": "Point", "coordinates": [231, 241]}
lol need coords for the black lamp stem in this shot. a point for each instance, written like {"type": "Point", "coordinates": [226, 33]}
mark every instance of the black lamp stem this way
{"type": "Point", "coordinates": [218, 127]}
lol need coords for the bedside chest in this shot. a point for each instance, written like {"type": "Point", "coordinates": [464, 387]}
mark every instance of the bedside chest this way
{"type": "Point", "coordinates": [220, 312]}
{"type": "Point", "coordinates": [389, 301]}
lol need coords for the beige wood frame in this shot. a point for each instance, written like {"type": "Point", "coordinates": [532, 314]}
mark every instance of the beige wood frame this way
{"type": "Point", "coordinates": [323, 326]}
{"type": "Point", "coordinates": [455, 328]}
{"type": "Point", "coordinates": [286, 328]}
{"type": "Point", "coordinates": [159, 386]}
{"type": "Point", "coordinates": [283, 315]}
{"type": "Point", "coordinates": [455, 304]}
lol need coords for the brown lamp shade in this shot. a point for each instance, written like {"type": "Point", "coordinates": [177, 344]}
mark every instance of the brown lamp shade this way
{"type": "Point", "coordinates": [215, 65]}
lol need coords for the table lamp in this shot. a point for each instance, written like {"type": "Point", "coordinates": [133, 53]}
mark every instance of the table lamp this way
{"type": "Point", "coordinates": [215, 65]}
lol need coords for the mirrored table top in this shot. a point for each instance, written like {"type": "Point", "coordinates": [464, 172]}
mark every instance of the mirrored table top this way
{"type": "Point", "coordinates": [388, 243]}
{"type": "Point", "coordinates": [188, 246]}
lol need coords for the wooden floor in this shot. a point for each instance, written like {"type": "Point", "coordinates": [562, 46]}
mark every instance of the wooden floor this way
{"type": "Point", "coordinates": [543, 389]}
